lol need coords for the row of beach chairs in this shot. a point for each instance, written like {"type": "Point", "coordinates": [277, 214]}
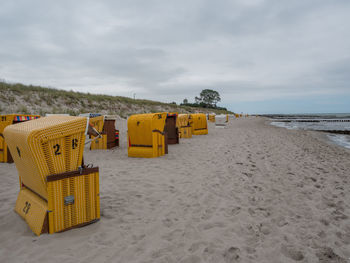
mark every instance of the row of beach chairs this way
{"type": "Point", "coordinates": [57, 191]}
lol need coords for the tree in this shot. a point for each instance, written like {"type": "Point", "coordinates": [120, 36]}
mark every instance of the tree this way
{"type": "Point", "coordinates": [185, 101]}
{"type": "Point", "coordinates": [208, 97]}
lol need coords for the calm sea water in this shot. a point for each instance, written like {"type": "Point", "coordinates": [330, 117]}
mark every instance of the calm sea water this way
{"type": "Point", "coordinates": [323, 125]}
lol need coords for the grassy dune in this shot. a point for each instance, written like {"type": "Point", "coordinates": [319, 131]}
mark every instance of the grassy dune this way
{"type": "Point", "coordinates": [19, 98]}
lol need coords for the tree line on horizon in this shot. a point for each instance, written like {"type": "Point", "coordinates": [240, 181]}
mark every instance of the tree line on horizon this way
{"type": "Point", "coordinates": [207, 99]}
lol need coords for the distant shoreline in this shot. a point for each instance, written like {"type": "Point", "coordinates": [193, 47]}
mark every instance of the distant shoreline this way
{"type": "Point", "coordinates": [308, 116]}
{"type": "Point", "coordinates": [337, 133]}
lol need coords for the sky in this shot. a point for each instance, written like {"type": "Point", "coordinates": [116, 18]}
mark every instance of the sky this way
{"type": "Point", "coordinates": [262, 56]}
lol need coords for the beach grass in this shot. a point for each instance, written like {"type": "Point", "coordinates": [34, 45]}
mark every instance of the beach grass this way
{"type": "Point", "coordinates": [37, 99]}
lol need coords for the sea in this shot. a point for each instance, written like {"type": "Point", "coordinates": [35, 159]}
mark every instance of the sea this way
{"type": "Point", "coordinates": [336, 125]}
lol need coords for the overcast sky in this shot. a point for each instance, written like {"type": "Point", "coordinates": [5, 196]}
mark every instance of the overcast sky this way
{"type": "Point", "coordinates": [272, 56]}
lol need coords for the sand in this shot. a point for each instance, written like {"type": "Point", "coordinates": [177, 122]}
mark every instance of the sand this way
{"type": "Point", "coordinates": [249, 192]}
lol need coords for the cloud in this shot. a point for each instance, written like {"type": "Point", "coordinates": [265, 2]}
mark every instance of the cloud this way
{"type": "Point", "coordinates": [251, 50]}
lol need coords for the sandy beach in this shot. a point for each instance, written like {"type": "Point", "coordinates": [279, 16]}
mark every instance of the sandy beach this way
{"type": "Point", "coordinates": [249, 192]}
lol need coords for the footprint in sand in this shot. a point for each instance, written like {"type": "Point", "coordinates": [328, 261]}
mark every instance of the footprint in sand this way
{"type": "Point", "coordinates": [291, 252]}
{"type": "Point", "coordinates": [338, 215]}
{"type": "Point", "coordinates": [344, 237]}
{"type": "Point", "coordinates": [172, 189]}
{"type": "Point", "coordinates": [247, 174]}
{"type": "Point", "coordinates": [230, 212]}
{"type": "Point", "coordinates": [265, 229]}
{"type": "Point", "coordinates": [327, 255]}
{"type": "Point", "coordinates": [195, 246]}
{"type": "Point", "coordinates": [167, 222]}
{"type": "Point", "coordinates": [324, 221]}
{"type": "Point", "coordinates": [212, 253]}
{"type": "Point", "coordinates": [313, 179]}
{"type": "Point", "coordinates": [280, 221]}
{"type": "Point", "coordinates": [259, 188]}
{"type": "Point", "coordinates": [232, 255]}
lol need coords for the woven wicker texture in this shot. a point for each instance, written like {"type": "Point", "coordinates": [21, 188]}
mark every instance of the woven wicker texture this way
{"type": "Point", "coordinates": [84, 208]}
{"type": "Point", "coordinates": [45, 146]}
{"type": "Point", "coordinates": [99, 143]}
{"type": "Point", "coordinates": [6, 120]}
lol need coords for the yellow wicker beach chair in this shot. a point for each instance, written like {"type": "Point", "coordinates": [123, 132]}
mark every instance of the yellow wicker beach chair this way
{"type": "Point", "coordinates": [184, 126]}
{"type": "Point", "coordinates": [6, 120]}
{"type": "Point", "coordinates": [146, 135]}
{"type": "Point", "coordinates": [211, 117]}
{"type": "Point", "coordinates": [200, 126]}
{"type": "Point", "coordinates": [109, 136]}
{"type": "Point", "coordinates": [57, 192]}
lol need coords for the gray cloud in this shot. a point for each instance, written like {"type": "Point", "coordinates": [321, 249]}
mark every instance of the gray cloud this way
{"type": "Point", "coordinates": [248, 50]}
